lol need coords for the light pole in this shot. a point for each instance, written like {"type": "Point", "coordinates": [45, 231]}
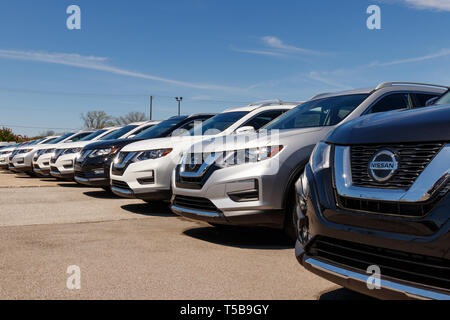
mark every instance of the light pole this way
{"type": "Point", "coordinates": [179, 99]}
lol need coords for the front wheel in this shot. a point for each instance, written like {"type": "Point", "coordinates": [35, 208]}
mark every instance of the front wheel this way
{"type": "Point", "coordinates": [291, 219]}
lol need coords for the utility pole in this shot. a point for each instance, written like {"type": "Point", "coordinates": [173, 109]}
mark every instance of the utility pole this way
{"type": "Point", "coordinates": [179, 99]}
{"type": "Point", "coordinates": [151, 106]}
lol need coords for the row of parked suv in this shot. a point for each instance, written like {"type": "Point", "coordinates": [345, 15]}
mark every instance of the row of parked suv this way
{"type": "Point", "coordinates": [359, 178]}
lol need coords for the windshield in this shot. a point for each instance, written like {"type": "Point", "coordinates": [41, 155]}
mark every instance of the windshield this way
{"type": "Point", "coordinates": [32, 143]}
{"type": "Point", "coordinates": [93, 135]}
{"type": "Point", "coordinates": [161, 129]}
{"type": "Point", "coordinates": [49, 141]}
{"type": "Point", "coordinates": [62, 137]}
{"type": "Point", "coordinates": [217, 123]}
{"type": "Point", "coordinates": [318, 113]}
{"type": "Point", "coordinates": [118, 133]}
{"type": "Point", "coordinates": [445, 99]}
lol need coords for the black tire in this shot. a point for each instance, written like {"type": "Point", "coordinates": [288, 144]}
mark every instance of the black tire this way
{"type": "Point", "coordinates": [107, 189]}
{"type": "Point", "coordinates": [290, 220]}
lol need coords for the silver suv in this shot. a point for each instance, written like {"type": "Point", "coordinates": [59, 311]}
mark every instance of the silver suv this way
{"type": "Point", "coordinates": [259, 190]}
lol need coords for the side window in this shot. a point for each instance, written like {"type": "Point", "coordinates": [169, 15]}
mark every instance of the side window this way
{"type": "Point", "coordinates": [187, 126]}
{"type": "Point", "coordinates": [80, 136]}
{"type": "Point", "coordinates": [420, 99]}
{"type": "Point", "coordinates": [391, 102]}
{"type": "Point", "coordinates": [142, 129]}
{"type": "Point", "coordinates": [263, 118]}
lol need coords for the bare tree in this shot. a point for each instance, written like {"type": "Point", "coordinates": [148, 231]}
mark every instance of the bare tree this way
{"type": "Point", "coordinates": [130, 117]}
{"type": "Point", "coordinates": [47, 133]}
{"type": "Point", "coordinates": [96, 119]}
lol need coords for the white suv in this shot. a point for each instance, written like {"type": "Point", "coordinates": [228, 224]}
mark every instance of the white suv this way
{"type": "Point", "coordinates": [62, 160]}
{"type": "Point", "coordinates": [21, 159]}
{"type": "Point", "coordinates": [143, 169]}
{"type": "Point", "coordinates": [41, 158]}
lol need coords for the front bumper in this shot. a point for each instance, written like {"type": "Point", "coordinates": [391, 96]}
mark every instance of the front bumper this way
{"type": "Point", "coordinates": [4, 161]}
{"type": "Point", "coordinates": [63, 167]}
{"type": "Point", "coordinates": [41, 165]}
{"type": "Point", "coordinates": [93, 172]}
{"type": "Point", "coordinates": [147, 180]}
{"type": "Point", "coordinates": [357, 281]}
{"type": "Point", "coordinates": [400, 246]}
{"type": "Point", "coordinates": [22, 163]}
{"type": "Point", "coordinates": [246, 194]}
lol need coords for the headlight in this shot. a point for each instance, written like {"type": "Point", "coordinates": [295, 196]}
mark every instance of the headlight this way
{"type": "Point", "coordinates": [151, 154]}
{"type": "Point", "coordinates": [320, 157]}
{"type": "Point", "coordinates": [71, 150]}
{"type": "Point", "coordinates": [103, 152]}
{"type": "Point", "coordinates": [252, 155]}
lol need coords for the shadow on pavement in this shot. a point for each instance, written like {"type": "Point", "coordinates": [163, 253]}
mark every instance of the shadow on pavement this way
{"type": "Point", "coordinates": [6, 171]}
{"type": "Point", "coordinates": [101, 194]}
{"type": "Point", "coordinates": [71, 184]}
{"type": "Point", "coordinates": [344, 294]}
{"type": "Point", "coordinates": [22, 175]}
{"type": "Point", "coordinates": [147, 209]}
{"type": "Point", "coordinates": [242, 237]}
{"type": "Point", "coordinates": [48, 179]}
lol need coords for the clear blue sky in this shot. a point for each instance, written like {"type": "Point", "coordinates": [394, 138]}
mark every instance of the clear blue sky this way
{"type": "Point", "coordinates": [215, 54]}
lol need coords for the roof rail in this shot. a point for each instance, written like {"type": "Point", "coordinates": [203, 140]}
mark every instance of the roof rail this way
{"type": "Point", "coordinates": [319, 95]}
{"type": "Point", "coordinates": [390, 84]}
{"type": "Point", "coordinates": [265, 102]}
{"type": "Point", "coordinates": [202, 114]}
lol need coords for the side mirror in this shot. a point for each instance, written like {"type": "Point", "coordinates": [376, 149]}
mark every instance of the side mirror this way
{"type": "Point", "coordinates": [243, 129]}
{"type": "Point", "coordinates": [431, 101]}
{"type": "Point", "coordinates": [131, 136]}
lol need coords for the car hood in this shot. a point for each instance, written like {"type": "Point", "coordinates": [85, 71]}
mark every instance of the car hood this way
{"type": "Point", "coordinates": [418, 125]}
{"type": "Point", "coordinates": [160, 143]}
{"type": "Point", "coordinates": [8, 149]}
{"type": "Point", "coordinates": [251, 140]}
{"type": "Point", "coordinates": [70, 145]}
{"type": "Point", "coordinates": [109, 143]}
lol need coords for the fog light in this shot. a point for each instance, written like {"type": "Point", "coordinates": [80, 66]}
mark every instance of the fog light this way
{"type": "Point", "coordinates": [251, 193]}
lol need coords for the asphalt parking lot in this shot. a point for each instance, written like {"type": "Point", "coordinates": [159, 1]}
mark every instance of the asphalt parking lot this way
{"type": "Point", "coordinates": [127, 249]}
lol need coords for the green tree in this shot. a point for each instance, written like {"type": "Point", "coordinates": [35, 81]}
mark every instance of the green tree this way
{"type": "Point", "coordinates": [7, 135]}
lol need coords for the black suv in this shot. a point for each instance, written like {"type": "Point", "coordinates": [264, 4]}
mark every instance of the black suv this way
{"type": "Point", "coordinates": [93, 164]}
{"type": "Point", "coordinates": [373, 205]}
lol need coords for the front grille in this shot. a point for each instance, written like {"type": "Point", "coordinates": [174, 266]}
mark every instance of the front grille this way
{"type": "Point", "coordinates": [406, 209]}
{"type": "Point", "coordinates": [193, 162]}
{"type": "Point", "coordinates": [411, 267]}
{"type": "Point", "coordinates": [118, 171]}
{"type": "Point", "coordinates": [120, 184]}
{"type": "Point", "coordinates": [58, 153]}
{"type": "Point", "coordinates": [416, 209]}
{"type": "Point", "coordinates": [194, 203]}
{"type": "Point", "coordinates": [193, 182]}
{"type": "Point", "coordinates": [412, 160]}
{"type": "Point", "coordinates": [83, 156]}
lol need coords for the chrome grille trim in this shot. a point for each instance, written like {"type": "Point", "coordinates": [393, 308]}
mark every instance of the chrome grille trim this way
{"type": "Point", "coordinates": [427, 184]}
{"type": "Point", "coordinates": [412, 158]}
